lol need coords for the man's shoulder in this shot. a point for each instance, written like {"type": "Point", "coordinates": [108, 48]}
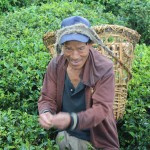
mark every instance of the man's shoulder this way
{"type": "Point", "coordinates": [56, 60]}
{"type": "Point", "coordinates": [55, 63]}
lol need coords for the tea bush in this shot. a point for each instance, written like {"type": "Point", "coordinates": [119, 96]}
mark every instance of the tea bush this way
{"type": "Point", "coordinates": [135, 14]}
{"type": "Point", "coordinates": [13, 5]}
{"type": "Point", "coordinates": [18, 130]}
{"type": "Point", "coordinates": [134, 128]}
{"type": "Point", "coordinates": [139, 86]}
{"type": "Point", "coordinates": [23, 63]}
{"type": "Point", "coordinates": [24, 57]}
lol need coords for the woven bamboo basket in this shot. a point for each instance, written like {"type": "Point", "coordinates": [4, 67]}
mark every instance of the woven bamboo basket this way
{"type": "Point", "coordinates": [121, 41]}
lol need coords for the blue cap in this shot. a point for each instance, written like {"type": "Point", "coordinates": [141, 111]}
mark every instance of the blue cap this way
{"type": "Point", "coordinates": [74, 36]}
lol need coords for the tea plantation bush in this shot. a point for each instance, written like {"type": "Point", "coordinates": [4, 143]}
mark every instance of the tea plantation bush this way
{"type": "Point", "coordinates": [136, 122]}
{"type": "Point", "coordinates": [13, 5]}
{"type": "Point", "coordinates": [23, 61]}
{"type": "Point", "coordinates": [21, 131]}
{"type": "Point", "coordinates": [135, 13]}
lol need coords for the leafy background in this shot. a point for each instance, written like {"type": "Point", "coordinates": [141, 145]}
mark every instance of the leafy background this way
{"type": "Point", "coordinates": [24, 58]}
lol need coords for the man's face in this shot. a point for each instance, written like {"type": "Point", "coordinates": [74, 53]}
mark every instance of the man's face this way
{"type": "Point", "coordinates": [76, 53]}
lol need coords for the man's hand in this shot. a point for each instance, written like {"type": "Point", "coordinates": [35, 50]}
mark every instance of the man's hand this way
{"type": "Point", "coordinates": [61, 120]}
{"type": "Point", "coordinates": [45, 120]}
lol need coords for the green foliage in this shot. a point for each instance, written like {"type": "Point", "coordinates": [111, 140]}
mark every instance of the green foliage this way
{"type": "Point", "coordinates": [21, 131]}
{"type": "Point", "coordinates": [23, 61]}
{"type": "Point", "coordinates": [13, 5]}
{"type": "Point", "coordinates": [139, 86]}
{"type": "Point", "coordinates": [134, 13]}
{"type": "Point", "coordinates": [137, 14]}
{"type": "Point", "coordinates": [136, 122]}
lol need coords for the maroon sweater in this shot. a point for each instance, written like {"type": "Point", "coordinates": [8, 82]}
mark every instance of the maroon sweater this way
{"type": "Point", "coordinates": [98, 76]}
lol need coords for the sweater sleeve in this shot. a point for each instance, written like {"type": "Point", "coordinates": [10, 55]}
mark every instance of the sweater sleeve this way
{"type": "Point", "coordinates": [102, 102]}
{"type": "Point", "coordinates": [47, 100]}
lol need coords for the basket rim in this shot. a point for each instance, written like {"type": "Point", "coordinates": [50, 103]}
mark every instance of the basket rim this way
{"type": "Point", "coordinates": [118, 29]}
{"type": "Point", "coordinates": [105, 28]}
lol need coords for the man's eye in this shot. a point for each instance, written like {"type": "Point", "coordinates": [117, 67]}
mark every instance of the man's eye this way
{"type": "Point", "coordinates": [81, 48]}
{"type": "Point", "coordinates": [68, 49]}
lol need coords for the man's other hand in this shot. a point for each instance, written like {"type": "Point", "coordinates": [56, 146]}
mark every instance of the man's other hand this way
{"type": "Point", "coordinates": [45, 120]}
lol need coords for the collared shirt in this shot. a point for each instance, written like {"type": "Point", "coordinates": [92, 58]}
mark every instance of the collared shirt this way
{"type": "Point", "coordinates": [74, 101]}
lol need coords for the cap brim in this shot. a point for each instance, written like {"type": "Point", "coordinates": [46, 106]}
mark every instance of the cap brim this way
{"type": "Point", "coordinates": [74, 37]}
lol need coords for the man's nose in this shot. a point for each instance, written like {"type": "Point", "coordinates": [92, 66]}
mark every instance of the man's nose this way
{"type": "Point", "coordinates": [75, 54]}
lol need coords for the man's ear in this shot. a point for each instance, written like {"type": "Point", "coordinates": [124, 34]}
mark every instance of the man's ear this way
{"type": "Point", "coordinates": [90, 45]}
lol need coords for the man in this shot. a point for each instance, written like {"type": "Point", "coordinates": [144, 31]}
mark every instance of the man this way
{"type": "Point", "coordinates": [78, 90]}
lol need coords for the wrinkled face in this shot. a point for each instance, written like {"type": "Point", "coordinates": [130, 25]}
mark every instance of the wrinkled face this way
{"type": "Point", "coordinates": [76, 53]}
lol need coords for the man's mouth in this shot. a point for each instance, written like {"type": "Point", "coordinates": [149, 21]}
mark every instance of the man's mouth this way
{"type": "Point", "coordinates": [75, 63]}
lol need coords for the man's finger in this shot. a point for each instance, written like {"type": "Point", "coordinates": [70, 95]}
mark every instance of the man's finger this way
{"type": "Point", "coordinates": [46, 118]}
{"type": "Point", "coordinates": [45, 125]}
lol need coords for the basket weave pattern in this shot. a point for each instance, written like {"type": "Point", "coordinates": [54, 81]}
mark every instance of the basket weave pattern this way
{"type": "Point", "coordinates": [121, 41]}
